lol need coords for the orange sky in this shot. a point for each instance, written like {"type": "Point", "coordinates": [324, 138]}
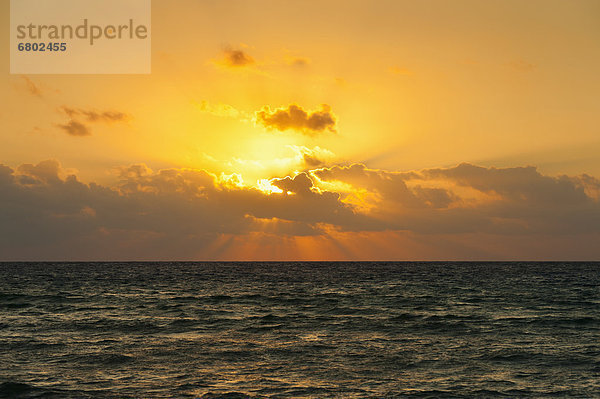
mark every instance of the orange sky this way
{"type": "Point", "coordinates": [316, 130]}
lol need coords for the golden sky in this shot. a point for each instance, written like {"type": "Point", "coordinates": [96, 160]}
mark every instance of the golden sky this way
{"type": "Point", "coordinates": [316, 130]}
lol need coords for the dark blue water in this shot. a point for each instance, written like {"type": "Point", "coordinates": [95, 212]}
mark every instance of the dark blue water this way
{"type": "Point", "coordinates": [299, 330]}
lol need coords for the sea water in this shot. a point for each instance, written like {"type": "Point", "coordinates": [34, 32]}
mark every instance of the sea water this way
{"type": "Point", "coordinates": [299, 330]}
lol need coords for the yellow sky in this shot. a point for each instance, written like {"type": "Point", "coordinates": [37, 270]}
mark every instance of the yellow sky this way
{"type": "Point", "coordinates": [410, 86]}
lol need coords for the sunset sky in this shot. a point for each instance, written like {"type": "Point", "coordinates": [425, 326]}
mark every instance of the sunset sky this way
{"type": "Point", "coordinates": [292, 130]}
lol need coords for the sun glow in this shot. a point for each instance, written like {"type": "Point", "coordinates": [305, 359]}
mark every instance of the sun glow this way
{"type": "Point", "coordinates": [361, 198]}
{"type": "Point", "coordinates": [233, 180]}
{"type": "Point", "coordinates": [267, 187]}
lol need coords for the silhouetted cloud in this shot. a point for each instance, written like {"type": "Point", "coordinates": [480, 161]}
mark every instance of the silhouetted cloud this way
{"type": "Point", "coordinates": [469, 198]}
{"type": "Point", "coordinates": [300, 184]}
{"type": "Point", "coordinates": [236, 58]}
{"type": "Point", "coordinates": [155, 210]}
{"type": "Point", "coordinates": [311, 160]}
{"type": "Point", "coordinates": [75, 128]}
{"type": "Point", "coordinates": [312, 157]}
{"type": "Point", "coordinates": [179, 213]}
{"type": "Point", "coordinates": [95, 116]}
{"type": "Point", "coordinates": [296, 118]}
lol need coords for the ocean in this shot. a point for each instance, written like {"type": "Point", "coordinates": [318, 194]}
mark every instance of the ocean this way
{"type": "Point", "coordinates": [299, 330]}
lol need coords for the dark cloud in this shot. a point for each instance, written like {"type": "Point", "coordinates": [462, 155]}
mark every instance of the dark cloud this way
{"type": "Point", "coordinates": [469, 198]}
{"type": "Point", "coordinates": [312, 158]}
{"type": "Point", "coordinates": [296, 118]}
{"type": "Point", "coordinates": [390, 186]}
{"type": "Point", "coordinates": [179, 213]}
{"type": "Point", "coordinates": [236, 58]}
{"type": "Point", "coordinates": [172, 212]}
{"type": "Point", "coordinates": [298, 62]}
{"type": "Point", "coordinates": [312, 161]}
{"type": "Point", "coordinates": [75, 128]}
{"type": "Point", "coordinates": [519, 184]}
{"type": "Point", "coordinates": [45, 172]}
{"type": "Point", "coordinates": [95, 116]}
{"type": "Point", "coordinates": [301, 184]}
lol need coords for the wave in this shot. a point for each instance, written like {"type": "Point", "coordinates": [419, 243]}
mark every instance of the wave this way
{"type": "Point", "coordinates": [18, 390]}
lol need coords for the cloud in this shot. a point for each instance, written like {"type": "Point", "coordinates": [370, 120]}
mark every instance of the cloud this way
{"type": "Point", "coordinates": [312, 157]}
{"type": "Point", "coordinates": [95, 116]}
{"type": "Point", "coordinates": [298, 62]}
{"type": "Point", "coordinates": [44, 172]}
{"type": "Point", "coordinates": [292, 158]}
{"type": "Point", "coordinates": [239, 60]}
{"type": "Point", "coordinates": [32, 88]}
{"type": "Point", "coordinates": [236, 58]}
{"type": "Point", "coordinates": [466, 210]}
{"type": "Point", "coordinates": [469, 198]}
{"type": "Point", "coordinates": [590, 185]}
{"type": "Point", "coordinates": [150, 211]}
{"type": "Point", "coordinates": [77, 128]}
{"type": "Point", "coordinates": [300, 184]}
{"type": "Point", "coordinates": [296, 118]}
